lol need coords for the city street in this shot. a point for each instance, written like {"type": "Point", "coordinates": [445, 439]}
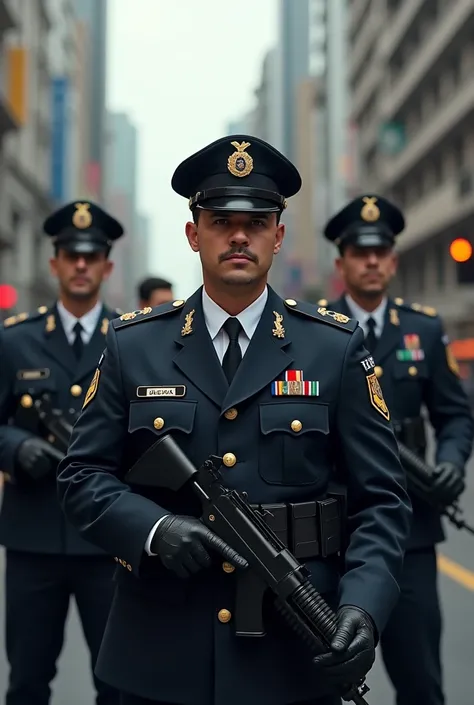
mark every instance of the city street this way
{"type": "Point", "coordinates": [73, 683]}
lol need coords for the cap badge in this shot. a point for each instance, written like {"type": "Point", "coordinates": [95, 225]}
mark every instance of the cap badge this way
{"type": "Point", "coordinates": [82, 217]}
{"type": "Point", "coordinates": [370, 212]}
{"type": "Point", "coordinates": [240, 163]}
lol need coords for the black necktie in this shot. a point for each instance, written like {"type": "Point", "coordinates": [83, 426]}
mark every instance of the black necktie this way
{"type": "Point", "coordinates": [78, 345]}
{"type": "Point", "coordinates": [370, 338]}
{"type": "Point", "coordinates": [233, 354]}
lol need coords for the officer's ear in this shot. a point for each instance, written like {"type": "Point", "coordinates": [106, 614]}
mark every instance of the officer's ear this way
{"type": "Point", "coordinates": [192, 235]}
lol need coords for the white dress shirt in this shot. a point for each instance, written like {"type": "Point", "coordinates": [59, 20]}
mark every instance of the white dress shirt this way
{"type": "Point", "coordinates": [88, 322]}
{"type": "Point", "coordinates": [215, 317]}
{"type": "Point", "coordinates": [361, 315]}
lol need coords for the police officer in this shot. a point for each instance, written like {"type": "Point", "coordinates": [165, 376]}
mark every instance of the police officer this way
{"type": "Point", "coordinates": [48, 358]}
{"type": "Point", "coordinates": [217, 373]}
{"type": "Point", "coordinates": [415, 367]}
{"type": "Point", "coordinates": [154, 291]}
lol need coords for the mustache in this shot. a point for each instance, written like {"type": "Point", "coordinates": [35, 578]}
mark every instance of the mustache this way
{"type": "Point", "coordinates": [238, 251]}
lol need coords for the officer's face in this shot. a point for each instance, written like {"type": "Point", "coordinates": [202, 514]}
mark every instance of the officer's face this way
{"type": "Point", "coordinates": [80, 275]}
{"type": "Point", "coordinates": [367, 271]}
{"type": "Point", "coordinates": [235, 248]}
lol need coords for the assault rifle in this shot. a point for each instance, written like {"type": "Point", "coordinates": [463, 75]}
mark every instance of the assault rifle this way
{"type": "Point", "coordinates": [271, 565]}
{"type": "Point", "coordinates": [420, 477]}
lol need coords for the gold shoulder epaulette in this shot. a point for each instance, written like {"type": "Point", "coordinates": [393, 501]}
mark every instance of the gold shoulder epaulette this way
{"type": "Point", "coordinates": [146, 314]}
{"type": "Point", "coordinates": [426, 310]}
{"type": "Point", "coordinates": [322, 314]}
{"type": "Point", "coordinates": [22, 317]}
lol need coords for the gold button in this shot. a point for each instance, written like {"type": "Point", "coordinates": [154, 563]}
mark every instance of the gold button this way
{"type": "Point", "coordinates": [228, 567]}
{"type": "Point", "coordinates": [229, 460]}
{"type": "Point", "coordinates": [290, 302]}
{"type": "Point", "coordinates": [158, 423]}
{"type": "Point", "coordinates": [42, 309]}
{"type": "Point", "coordinates": [378, 371]}
{"type": "Point", "coordinates": [224, 616]}
{"type": "Point", "coordinates": [76, 390]}
{"type": "Point", "coordinates": [412, 371]}
{"type": "Point", "coordinates": [178, 302]}
{"type": "Point", "coordinates": [398, 301]}
{"type": "Point", "coordinates": [231, 414]}
{"type": "Point", "coordinates": [26, 401]}
{"type": "Point", "coordinates": [296, 425]}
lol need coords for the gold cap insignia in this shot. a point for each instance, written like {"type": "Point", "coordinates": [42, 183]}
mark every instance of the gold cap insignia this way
{"type": "Point", "coordinates": [82, 218]}
{"type": "Point", "coordinates": [370, 212]}
{"type": "Point", "coordinates": [278, 330]}
{"type": "Point", "coordinates": [240, 163]}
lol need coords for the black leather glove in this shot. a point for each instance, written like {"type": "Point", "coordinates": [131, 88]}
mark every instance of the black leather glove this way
{"type": "Point", "coordinates": [33, 458]}
{"type": "Point", "coordinates": [182, 542]}
{"type": "Point", "coordinates": [449, 483]}
{"type": "Point", "coordinates": [352, 648]}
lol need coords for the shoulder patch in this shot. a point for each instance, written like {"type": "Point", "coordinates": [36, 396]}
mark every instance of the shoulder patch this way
{"type": "Point", "coordinates": [22, 317]}
{"type": "Point", "coordinates": [322, 314]}
{"type": "Point", "coordinates": [147, 314]}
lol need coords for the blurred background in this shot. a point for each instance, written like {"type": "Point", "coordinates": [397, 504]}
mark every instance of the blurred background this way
{"type": "Point", "coordinates": [101, 99]}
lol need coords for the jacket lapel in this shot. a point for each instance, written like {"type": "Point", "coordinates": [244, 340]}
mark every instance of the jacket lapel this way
{"type": "Point", "coordinates": [390, 338]}
{"type": "Point", "coordinates": [56, 342]}
{"type": "Point", "coordinates": [196, 357]}
{"type": "Point", "coordinates": [265, 358]}
{"type": "Point", "coordinates": [92, 351]}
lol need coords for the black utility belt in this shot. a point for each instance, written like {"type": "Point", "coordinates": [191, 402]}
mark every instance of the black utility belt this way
{"type": "Point", "coordinates": [308, 529]}
{"type": "Point", "coordinates": [411, 432]}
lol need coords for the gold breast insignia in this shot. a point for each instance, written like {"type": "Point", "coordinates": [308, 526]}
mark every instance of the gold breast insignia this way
{"type": "Point", "coordinates": [278, 330]}
{"type": "Point", "coordinates": [188, 323]}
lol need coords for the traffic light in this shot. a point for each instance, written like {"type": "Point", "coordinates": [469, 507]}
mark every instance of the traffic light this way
{"type": "Point", "coordinates": [462, 252]}
{"type": "Point", "coordinates": [8, 296]}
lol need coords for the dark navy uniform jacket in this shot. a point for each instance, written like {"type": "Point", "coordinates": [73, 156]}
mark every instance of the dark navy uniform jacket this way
{"type": "Point", "coordinates": [36, 358]}
{"type": "Point", "coordinates": [160, 626]}
{"type": "Point", "coordinates": [417, 371]}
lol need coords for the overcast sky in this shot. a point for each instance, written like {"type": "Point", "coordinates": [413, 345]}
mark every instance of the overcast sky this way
{"type": "Point", "coordinates": [182, 69]}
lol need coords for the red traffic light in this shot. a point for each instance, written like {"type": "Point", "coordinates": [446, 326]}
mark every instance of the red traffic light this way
{"type": "Point", "coordinates": [460, 249]}
{"type": "Point", "coordinates": [8, 296]}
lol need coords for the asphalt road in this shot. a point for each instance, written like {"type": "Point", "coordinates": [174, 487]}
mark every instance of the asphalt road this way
{"type": "Point", "coordinates": [73, 684]}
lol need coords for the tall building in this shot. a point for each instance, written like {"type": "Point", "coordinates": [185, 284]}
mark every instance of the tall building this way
{"type": "Point", "coordinates": [411, 69]}
{"type": "Point", "coordinates": [66, 95]}
{"type": "Point", "coordinates": [92, 39]}
{"type": "Point", "coordinates": [26, 153]}
{"type": "Point", "coordinates": [130, 254]}
{"type": "Point", "coordinates": [12, 84]}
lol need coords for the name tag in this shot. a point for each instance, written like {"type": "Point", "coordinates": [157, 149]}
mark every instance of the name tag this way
{"type": "Point", "coordinates": [42, 373]}
{"type": "Point", "coordinates": [177, 390]}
